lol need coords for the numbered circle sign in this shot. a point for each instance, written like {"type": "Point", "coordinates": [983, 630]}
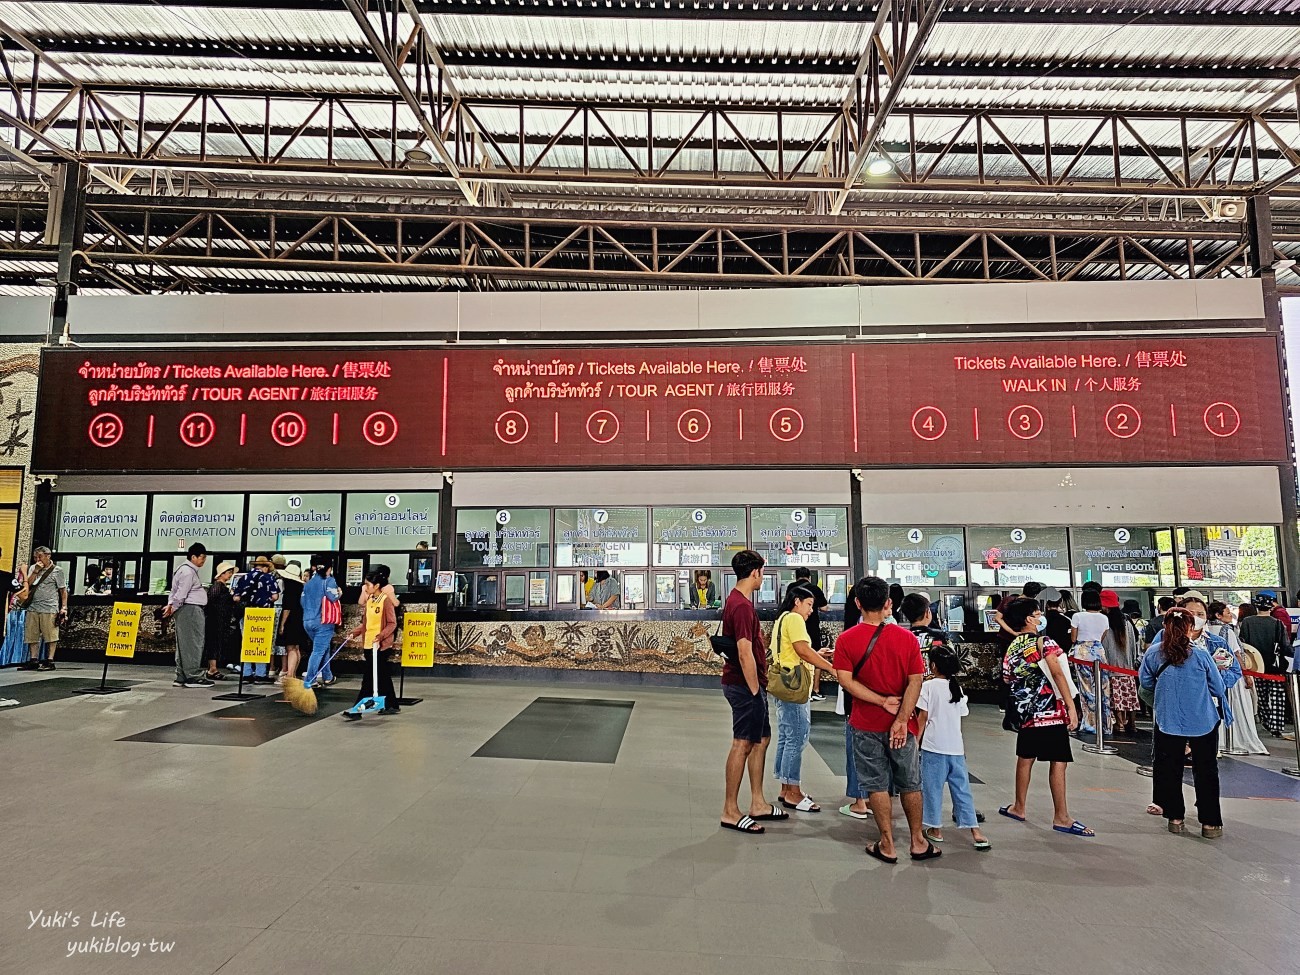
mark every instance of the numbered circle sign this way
{"type": "Point", "coordinates": [929, 423]}
{"type": "Point", "coordinates": [786, 424]}
{"type": "Point", "coordinates": [600, 516]}
{"type": "Point", "coordinates": [392, 500]}
{"type": "Point", "coordinates": [1122, 535]}
{"type": "Point", "coordinates": [1018, 536]}
{"type": "Point", "coordinates": [511, 427]}
{"type": "Point", "coordinates": [798, 516]}
{"type": "Point", "coordinates": [698, 516]}
{"type": "Point", "coordinates": [295, 501]}
{"type": "Point", "coordinates": [106, 430]}
{"type": "Point", "coordinates": [915, 536]}
{"type": "Point", "coordinates": [380, 428]}
{"type": "Point", "coordinates": [289, 429]}
{"type": "Point", "coordinates": [1025, 422]}
{"type": "Point", "coordinates": [1222, 419]}
{"type": "Point", "coordinates": [197, 430]}
{"type": "Point", "coordinates": [602, 426]}
{"type": "Point", "coordinates": [503, 517]}
{"type": "Point", "coordinates": [693, 426]}
{"type": "Point", "coordinates": [1123, 421]}
{"type": "Point", "coordinates": [197, 503]}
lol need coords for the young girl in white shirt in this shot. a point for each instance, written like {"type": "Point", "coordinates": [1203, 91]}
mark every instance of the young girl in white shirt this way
{"type": "Point", "coordinates": [943, 753]}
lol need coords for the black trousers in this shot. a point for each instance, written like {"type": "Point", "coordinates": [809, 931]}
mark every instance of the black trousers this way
{"type": "Point", "coordinates": [385, 678]}
{"type": "Point", "coordinates": [1167, 777]}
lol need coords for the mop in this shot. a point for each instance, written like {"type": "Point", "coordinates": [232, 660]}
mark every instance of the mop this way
{"type": "Point", "coordinates": [375, 702]}
{"type": "Point", "coordinates": [301, 697]}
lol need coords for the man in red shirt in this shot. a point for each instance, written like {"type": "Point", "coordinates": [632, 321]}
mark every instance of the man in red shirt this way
{"type": "Point", "coordinates": [744, 684]}
{"type": "Point", "coordinates": [884, 690]}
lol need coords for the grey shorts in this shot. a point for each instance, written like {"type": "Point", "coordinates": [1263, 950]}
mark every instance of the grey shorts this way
{"type": "Point", "coordinates": [884, 769]}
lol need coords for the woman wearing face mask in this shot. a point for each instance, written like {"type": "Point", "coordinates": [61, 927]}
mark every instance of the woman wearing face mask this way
{"type": "Point", "coordinates": [1181, 670]}
{"type": "Point", "coordinates": [1245, 735]}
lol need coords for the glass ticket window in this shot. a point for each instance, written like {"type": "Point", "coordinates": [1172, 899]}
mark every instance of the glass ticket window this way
{"type": "Point", "coordinates": [953, 614]}
{"type": "Point", "coordinates": [309, 522]}
{"type": "Point", "coordinates": [539, 590]}
{"type": "Point", "coordinates": [665, 590]}
{"type": "Point", "coordinates": [516, 590]}
{"type": "Point", "coordinates": [487, 590]}
{"type": "Point", "coordinates": [1123, 556]}
{"type": "Point", "coordinates": [567, 589]}
{"type": "Point", "coordinates": [836, 587]}
{"type": "Point", "coordinates": [917, 557]}
{"type": "Point", "coordinates": [106, 577]}
{"type": "Point", "coordinates": [160, 572]}
{"type": "Point", "coordinates": [813, 536]}
{"type": "Point", "coordinates": [1008, 557]}
{"type": "Point", "coordinates": [1228, 556]}
{"type": "Point", "coordinates": [94, 523]}
{"type": "Point", "coordinates": [697, 536]}
{"type": "Point", "coordinates": [602, 538]}
{"type": "Point", "coordinates": [503, 537]}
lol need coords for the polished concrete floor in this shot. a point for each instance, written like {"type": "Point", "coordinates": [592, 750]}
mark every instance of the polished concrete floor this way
{"type": "Point", "coordinates": [386, 847]}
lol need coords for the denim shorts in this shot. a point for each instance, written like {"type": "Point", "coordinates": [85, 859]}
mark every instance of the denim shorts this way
{"type": "Point", "coordinates": [749, 720]}
{"type": "Point", "coordinates": [884, 769]}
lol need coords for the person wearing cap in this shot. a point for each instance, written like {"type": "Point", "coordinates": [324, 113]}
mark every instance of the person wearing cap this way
{"type": "Point", "coordinates": [1086, 630]}
{"type": "Point", "coordinates": [258, 589]}
{"type": "Point", "coordinates": [221, 629]}
{"type": "Point", "coordinates": [1266, 599]}
{"type": "Point", "coordinates": [293, 636]}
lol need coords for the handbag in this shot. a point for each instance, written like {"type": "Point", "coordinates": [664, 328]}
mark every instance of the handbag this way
{"type": "Point", "coordinates": [724, 646]}
{"type": "Point", "coordinates": [790, 684]}
{"type": "Point", "coordinates": [331, 611]}
{"type": "Point", "coordinates": [871, 645]}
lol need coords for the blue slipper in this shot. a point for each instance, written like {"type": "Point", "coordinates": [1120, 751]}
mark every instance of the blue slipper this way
{"type": "Point", "coordinates": [1076, 828]}
{"type": "Point", "coordinates": [1002, 811]}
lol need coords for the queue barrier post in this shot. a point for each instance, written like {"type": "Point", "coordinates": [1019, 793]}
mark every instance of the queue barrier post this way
{"type": "Point", "coordinates": [1100, 748]}
{"type": "Point", "coordinates": [1293, 691]}
{"type": "Point", "coordinates": [1229, 742]}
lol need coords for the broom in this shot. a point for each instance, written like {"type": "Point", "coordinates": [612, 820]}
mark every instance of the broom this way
{"type": "Point", "coordinates": [299, 696]}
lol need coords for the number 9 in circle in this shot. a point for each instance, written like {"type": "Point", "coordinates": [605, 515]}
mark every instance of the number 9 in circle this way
{"type": "Point", "coordinates": [511, 427]}
{"type": "Point", "coordinates": [380, 428]}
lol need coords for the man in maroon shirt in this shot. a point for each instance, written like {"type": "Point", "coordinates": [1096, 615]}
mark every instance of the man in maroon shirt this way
{"type": "Point", "coordinates": [884, 690]}
{"type": "Point", "coordinates": [744, 684]}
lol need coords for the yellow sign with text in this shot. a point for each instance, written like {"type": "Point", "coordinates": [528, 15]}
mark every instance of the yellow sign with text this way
{"type": "Point", "coordinates": [259, 636]}
{"type": "Point", "coordinates": [417, 639]}
{"type": "Point", "coordinates": [123, 628]}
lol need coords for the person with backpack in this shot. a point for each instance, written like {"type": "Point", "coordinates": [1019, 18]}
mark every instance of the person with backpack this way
{"type": "Point", "coordinates": [939, 711]}
{"type": "Point", "coordinates": [1184, 679]}
{"type": "Point", "coordinates": [791, 652]}
{"type": "Point", "coordinates": [1041, 716]}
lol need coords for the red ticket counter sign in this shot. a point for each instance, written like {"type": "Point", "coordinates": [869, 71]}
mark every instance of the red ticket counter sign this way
{"type": "Point", "coordinates": [1158, 400]}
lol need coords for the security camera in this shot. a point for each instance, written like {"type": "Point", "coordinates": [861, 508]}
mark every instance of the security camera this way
{"type": "Point", "coordinates": [449, 477]}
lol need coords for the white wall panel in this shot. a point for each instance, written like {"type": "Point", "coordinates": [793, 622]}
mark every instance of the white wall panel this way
{"type": "Point", "coordinates": [560, 488]}
{"type": "Point", "coordinates": [1079, 496]}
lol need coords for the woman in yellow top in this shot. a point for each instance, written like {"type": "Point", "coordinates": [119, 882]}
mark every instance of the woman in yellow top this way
{"type": "Point", "coordinates": [791, 646]}
{"type": "Point", "coordinates": [706, 593]}
{"type": "Point", "coordinates": [378, 627]}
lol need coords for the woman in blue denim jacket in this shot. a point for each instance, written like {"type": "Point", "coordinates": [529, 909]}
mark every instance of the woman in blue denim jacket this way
{"type": "Point", "coordinates": [1181, 669]}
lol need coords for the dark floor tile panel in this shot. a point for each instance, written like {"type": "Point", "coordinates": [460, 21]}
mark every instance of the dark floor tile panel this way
{"type": "Point", "coordinates": [249, 724]}
{"type": "Point", "coordinates": [49, 689]}
{"type": "Point", "coordinates": [562, 729]}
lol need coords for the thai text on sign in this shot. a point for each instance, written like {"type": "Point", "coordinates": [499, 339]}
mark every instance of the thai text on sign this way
{"type": "Point", "coordinates": [417, 639]}
{"type": "Point", "coordinates": [123, 629]}
{"type": "Point", "coordinates": [259, 636]}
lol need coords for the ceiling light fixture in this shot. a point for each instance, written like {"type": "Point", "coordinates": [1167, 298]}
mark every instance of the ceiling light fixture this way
{"type": "Point", "coordinates": [879, 166]}
{"type": "Point", "coordinates": [419, 156]}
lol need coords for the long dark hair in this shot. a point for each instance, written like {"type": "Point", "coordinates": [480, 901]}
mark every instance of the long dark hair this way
{"type": "Point", "coordinates": [793, 594]}
{"type": "Point", "coordinates": [1118, 626]}
{"type": "Point", "coordinates": [946, 664]}
{"type": "Point", "coordinates": [1177, 641]}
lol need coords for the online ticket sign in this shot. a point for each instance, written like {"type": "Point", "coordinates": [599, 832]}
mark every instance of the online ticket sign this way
{"type": "Point", "coordinates": [418, 634]}
{"type": "Point", "coordinates": [1163, 399]}
{"type": "Point", "coordinates": [123, 628]}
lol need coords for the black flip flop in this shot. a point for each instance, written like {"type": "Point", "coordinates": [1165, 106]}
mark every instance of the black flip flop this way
{"type": "Point", "coordinates": [776, 815]}
{"type": "Point", "coordinates": [873, 850]}
{"type": "Point", "coordinates": [746, 825]}
{"type": "Point", "coordinates": [931, 853]}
